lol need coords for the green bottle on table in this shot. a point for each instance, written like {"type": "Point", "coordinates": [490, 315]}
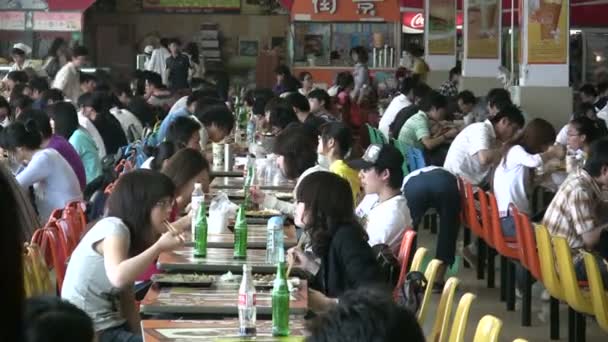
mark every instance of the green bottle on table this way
{"type": "Point", "coordinates": [240, 234]}
{"type": "Point", "coordinates": [200, 238]}
{"type": "Point", "coordinates": [280, 303]}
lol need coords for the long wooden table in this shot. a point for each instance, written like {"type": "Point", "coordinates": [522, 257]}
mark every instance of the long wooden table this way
{"type": "Point", "coordinates": [218, 260]}
{"type": "Point", "coordinates": [239, 182]}
{"type": "Point", "coordinates": [215, 300]}
{"type": "Point", "coordinates": [215, 330]}
{"type": "Point", "coordinates": [256, 239]}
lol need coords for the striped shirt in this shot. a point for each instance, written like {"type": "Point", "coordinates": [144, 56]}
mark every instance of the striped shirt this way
{"type": "Point", "coordinates": [572, 212]}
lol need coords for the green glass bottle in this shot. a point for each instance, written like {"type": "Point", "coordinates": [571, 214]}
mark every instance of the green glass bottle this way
{"type": "Point", "coordinates": [200, 249]}
{"type": "Point", "coordinates": [280, 303]}
{"type": "Point", "coordinates": [240, 234]}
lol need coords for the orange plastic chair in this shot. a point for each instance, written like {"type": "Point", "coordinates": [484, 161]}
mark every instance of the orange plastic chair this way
{"type": "Point", "coordinates": [599, 299]}
{"type": "Point", "coordinates": [75, 217]}
{"type": "Point", "coordinates": [507, 247]}
{"type": "Point", "coordinates": [473, 216]}
{"type": "Point", "coordinates": [405, 250]}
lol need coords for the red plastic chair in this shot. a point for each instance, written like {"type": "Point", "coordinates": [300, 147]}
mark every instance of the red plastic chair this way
{"type": "Point", "coordinates": [53, 243]}
{"type": "Point", "coordinates": [407, 244]}
{"type": "Point", "coordinates": [75, 217]}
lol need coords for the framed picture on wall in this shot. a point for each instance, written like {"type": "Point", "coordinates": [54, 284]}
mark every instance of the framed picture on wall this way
{"type": "Point", "coordinates": [249, 47]}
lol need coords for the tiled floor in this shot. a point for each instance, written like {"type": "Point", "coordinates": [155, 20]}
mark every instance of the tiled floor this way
{"type": "Point", "coordinates": [488, 302]}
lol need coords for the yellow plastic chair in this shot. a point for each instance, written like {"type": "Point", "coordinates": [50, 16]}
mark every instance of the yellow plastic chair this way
{"type": "Point", "coordinates": [488, 329]}
{"type": "Point", "coordinates": [418, 259]}
{"type": "Point", "coordinates": [459, 326]}
{"type": "Point", "coordinates": [430, 274]}
{"type": "Point", "coordinates": [550, 279]}
{"type": "Point", "coordinates": [565, 266]}
{"type": "Point", "coordinates": [598, 294]}
{"type": "Point", "coordinates": [520, 340]}
{"type": "Point", "coordinates": [444, 311]}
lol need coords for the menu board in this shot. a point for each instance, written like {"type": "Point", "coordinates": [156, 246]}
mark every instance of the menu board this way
{"type": "Point", "coordinates": [193, 6]}
{"type": "Point", "coordinates": [12, 21]}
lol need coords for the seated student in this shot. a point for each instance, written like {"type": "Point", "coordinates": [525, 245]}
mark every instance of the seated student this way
{"type": "Point", "coordinates": [156, 93]}
{"type": "Point", "coordinates": [477, 148]}
{"type": "Point", "coordinates": [521, 156]}
{"type": "Point", "coordinates": [38, 86]}
{"type": "Point", "coordinates": [347, 261]}
{"type": "Point", "coordinates": [383, 211]}
{"type": "Point", "coordinates": [6, 114]}
{"type": "Point", "coordinates": [450, 87]}
{"type": "Point", "coordinates": [405, 98]}
{"type": "Point", "coordinates": [107, 125]}
{"type": "Point", "coordinates": [159, 155]}
{"type": "Point", "coordinates": [416, 131]}
{"type": "Point", "coordinates": [53, 96]}
{"type": "Point", "coordinates": [216, 122]}
{"type": "Point", "coordinates": [65, 124]}
{"type": "Point", "coordinates": [279, 114]}
{"type": "Point", "coordinates": [50, 319]}
{"type": "Point", "coordinates": [320, 105]}
{"type": "Point", "coordinates": [301, 107]}
{"type": "Point", "coordinates": [56, 141]}
{"type": "Point", "coordinates": [20, 103]}
{"type": "Point", "coordinates": [578, 213]}
{"type": "Point", "coordinates": [55, 183]}
{"type": "Point", "coordinates": [88, 83]}
{"type": "Point", "coordinates": [587, 110]}
{"type": "Point", "coordinates": [296, 148]}
{"type": "Point", "coordinates": [189, 109]}
{"type": "Point", "coordinates": [466, 102]}
{"type": "Point", "coordinates": [588, 94]}
{"type": "Point", "coordinates": [117, 249]}
{"type": "Point", "coordinates": [581, 132]}
{"type": "Point", "coordinates": [130, 124]}
{"type": "Point", "coordinates": [335, 142]}
{"type": "Point", "coordinates": [420, 91]}
{"type": "Point", "coordinates": [497, 99]}
{"type": "Point", "coordinates": [256, 100]}
{"type": "Point", "coordinates": [185, 132]}
{"type": "Point", "coordinates": [365, 315]}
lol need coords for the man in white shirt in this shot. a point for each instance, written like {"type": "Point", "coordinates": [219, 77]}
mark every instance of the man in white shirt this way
{"type": "Point", "coordinates": [68, 77]}
{"type": "Point", "coordinates": [478, 147]}
{"type": "Point", "coordinates": [158, 60]}
{"type": "Point", "coordinates": [404, 99]}
{"type": "Point", "coordinates": [383, 211]}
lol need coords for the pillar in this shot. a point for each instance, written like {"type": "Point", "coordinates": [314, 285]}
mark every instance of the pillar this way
{"type": "Point", "coordinates": [439, 39]}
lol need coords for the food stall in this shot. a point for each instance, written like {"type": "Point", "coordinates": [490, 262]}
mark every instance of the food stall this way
{"type": "Point", "coordinates": [324, 31]}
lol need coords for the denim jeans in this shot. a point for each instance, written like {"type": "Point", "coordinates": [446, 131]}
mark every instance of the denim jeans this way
{"type": "Point", "coordinates": [601, 258]}
{"type": "Point", "coordinates": [436, 189]}
{"type": "Point", "coordinates": [120, 333]}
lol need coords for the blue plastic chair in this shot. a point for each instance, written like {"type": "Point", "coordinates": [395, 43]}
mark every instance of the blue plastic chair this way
{"type": "Point", "coordinates": [415, 158]}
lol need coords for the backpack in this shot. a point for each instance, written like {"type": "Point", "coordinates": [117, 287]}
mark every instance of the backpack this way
{"type": "Point", "coordinates": [411, 294]}
{"type": "Point", "coordinates": [388, 263]}
{"type": "Point", "coordinates": [403, 115]}
{"type": "Point", "coordinates": [134, 153]}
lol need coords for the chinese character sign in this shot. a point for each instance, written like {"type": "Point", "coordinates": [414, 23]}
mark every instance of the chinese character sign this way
{"type": "Point", "coordinates": [328, 6]}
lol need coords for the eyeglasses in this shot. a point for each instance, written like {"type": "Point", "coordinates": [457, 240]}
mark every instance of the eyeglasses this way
{"type": "Point", "coordinates": [166, 203]}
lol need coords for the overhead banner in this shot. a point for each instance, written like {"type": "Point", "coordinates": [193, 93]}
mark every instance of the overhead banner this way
{"type": "Point", "coordinates": [547, 33]}
{"type": "Point", "coordinates": [441, 30]}
{"type": "Point", "coordinates": [12, 21]}
{"type": "Point", "coordinates": [193, 6]}
{"type": "Point", "coordinates": [482, 28]}
{"type": "Point", "coordinates": [57, 21]}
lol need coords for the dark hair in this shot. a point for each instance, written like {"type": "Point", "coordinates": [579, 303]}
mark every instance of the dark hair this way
{"type": "Point", "coordinates": [602, 87]}
{"type": "Point", "coordinates": [20, 101]}
{"type": "Point", "coordinates": [181, 130]}
{"type": "Point", "coordinates": [433, 100]}
{"type": "Point", "coordinates": [303, 75]}
{"type": "Point", "coordinates": [585, 126]}
{"type": "Point", "coordinates": [324, 196]}
{"type": "Point", "coordinates": [282, 69]}
{"type": "Point", "coordinates": [598, 157]}
{"type": "Point", "coordinates": [55, 45]}
{"type": "Point", "coordinates": [344, 80]}
{"type": "Point", "coordinates": [54, 95]}
{"type": "Point", "coordinates": [193, 50]}
{"type": "Point", "coordinates": [142, 110]}
{"type": "Point", "coordinates": [321, 95]}
{"type": "Point", "coordinates": [85, 100]}
{"type": "Point", "coordinates": [164, 42]}
{"type": "Point", "coordinates": [19, 134]}
{"type": "Point", "coordinates": [298, 146]}
{"type": "Point", "coordinates": [497, 95]}
{"type": "Point", "coordinates": [281, 113]}
{"type": "Point", "coordinates": [65, 117]}
{"type": "Point", "coordinates": [218, 114]}
{"type": "Point", "coordinates": [51, 319]}
{"type": "Point", "coordinates": [175, 40]}
{"type": "Point", "coordinates": [184, 165]}
{"type": "Point", "coordinates": [415, 50]}
{"type": "Point", "coordinates": [365, 315]}
{"type": "Point", "coordinates": [135, 195]}
{"type": "Point", "coordinates": [340, 133]}
{"type": "Point", "coordinates": [298, 101]}
{"type": "Point", "coordinates": [407, 85]}
{"type": "Point", "coordinates": [19, 90]}
{"type": "Point", "coordinates": [101, 102]}
{"type": "Point", "coordinates": [512, 114]}
{"type": "Point", "coordinates": [79, 51]}
{"type": "Point", "coordinates": [394, 165]}
{"type": "Point", "coordinates": [467, 97]}
{"type": "Point", "coordinates": [455, 71]}
{"type": "Point", "coordinates": [17, 76]}
{"type": "Point", "coordinates": [583, 108]}
{"type": "Point", "coordinates": [162, 152]}
{"type": "Point", "coordinates": [258, 98]}
{"type": "Point", "coordinates": [41, 120]}
{"type": "Point", "coordinates": [588, 89]}
{"type": "Point", "coordinates": [86, 77]}
{"type": "Point", "coordinates": [39, 84]}
{"type": "Point", "coordinates": [154, 79]}
{"type": "Point", "coordinates": [5, 104]}
{"type": "Point", "coordinates": [421, 90]}
{"type": "Point", "coordinates": [537, 134]}
{"type": "Point", "coordinates": [361, 53]}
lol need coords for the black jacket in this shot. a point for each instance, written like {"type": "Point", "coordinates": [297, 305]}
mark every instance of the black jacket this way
{"type": "Point", "coordinates": [349, 264]}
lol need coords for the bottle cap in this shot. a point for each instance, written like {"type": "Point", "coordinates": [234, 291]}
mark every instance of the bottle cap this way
{"type": "Point", "coordinates": [276, 220]}
{"type": "Point", "coordinates": [198, 185]}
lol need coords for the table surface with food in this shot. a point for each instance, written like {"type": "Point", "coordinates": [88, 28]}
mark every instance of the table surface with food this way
{"type": "Point", "coordinates": [239, 182]}
{"type": "Point", "coordinates": [240, 194]}
{"type": "Point", "coordinates": [216, 295]}
{"type": "Point", "coordinates": [256, 239]}
{"type": "Point", "coordinates": [216, 330]}
{"type": "Point", "coordinates": [217, 260]}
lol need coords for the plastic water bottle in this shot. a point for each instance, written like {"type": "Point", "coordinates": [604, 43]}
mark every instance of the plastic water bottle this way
{"type": "Point", "coordinates": [247, 302]}
{"type": "Point", "coordinates": [251, 131]}
{"type": "Point", "coordinates": [198, 197]}
{"type": "Point", "coordinates": [274, 240]}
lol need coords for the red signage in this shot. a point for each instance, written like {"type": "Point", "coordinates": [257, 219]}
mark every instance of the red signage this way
{"type": "Point", "coordinates": [414, 21]}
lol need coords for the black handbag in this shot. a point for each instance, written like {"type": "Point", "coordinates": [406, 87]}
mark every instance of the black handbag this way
{"type": "Point", "coordinates": [411, 294]}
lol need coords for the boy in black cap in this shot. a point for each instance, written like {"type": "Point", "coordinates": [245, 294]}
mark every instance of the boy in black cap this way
{"type": "Point", "coordinates": [384, 210]}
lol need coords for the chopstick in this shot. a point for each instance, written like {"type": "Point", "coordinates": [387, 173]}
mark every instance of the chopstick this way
{"type": "Point", "coordinates": [299, 246]}
{"type": "Point", "coordinates": [174, 230]}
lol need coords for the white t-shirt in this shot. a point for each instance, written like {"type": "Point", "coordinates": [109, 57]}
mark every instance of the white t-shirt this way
{"type": "Point", "coordinates": [462, 158]}
{"type": "Point", "coordinates": [68, 81]}
{"type": "Point", "coordinates": [397, 104]}
{"type": "Point", "coordinates": [385, 222]}
{"type": "Point", "coordinates": [511, 179]}
{"type": "Point", "coordinates": [55, 183]}
{"type": "Point", "coordinates": [90, 127]}
{"type": "Point", "coordinates": [562, 136]}
{"type": "Point", "coordinates": [147, 164]}
{"type": "Point", "coordinates": [129, 122]}
{"type": "Point", "coordinates": [202, 133]}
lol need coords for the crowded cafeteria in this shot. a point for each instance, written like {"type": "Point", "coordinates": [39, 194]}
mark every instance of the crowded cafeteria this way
{"type": "Point", "coordinates": [320, 175]}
